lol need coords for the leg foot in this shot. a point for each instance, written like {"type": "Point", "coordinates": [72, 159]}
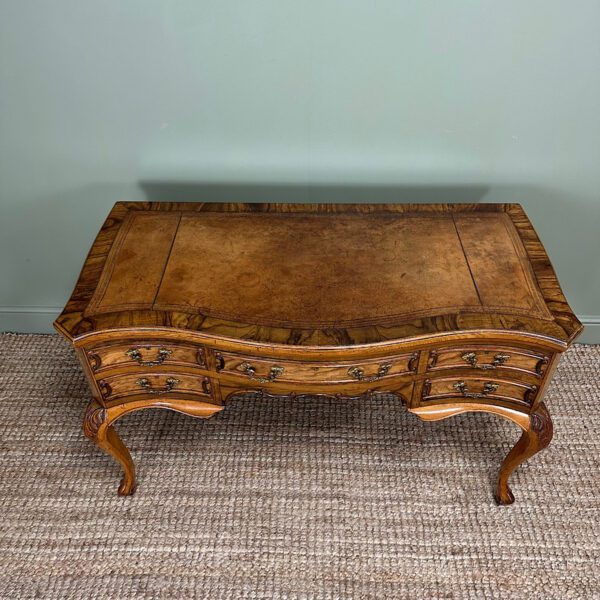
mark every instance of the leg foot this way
{"type": "Point", "coordinates": [126, 487]}
{"type": "Point", "coordinates": [97, 425]}
{"type": "Point", "coordinates": [534, 438]}
{"type": "Point", "coordinates": [537, 433]}
{"type": "Point", "coordinates": [97, 428]}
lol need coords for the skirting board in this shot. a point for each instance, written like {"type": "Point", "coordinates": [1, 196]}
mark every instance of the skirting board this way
{"type": "Point", "coordinates": [591, 333]}
{"type": "Point", "coordinates": [38, 319]}
{"type": "Point", "coordinates": [28, 319]}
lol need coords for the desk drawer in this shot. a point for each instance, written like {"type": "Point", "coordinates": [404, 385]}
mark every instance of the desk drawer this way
{"type": "Point", "coordinates": [488, 359]}
{"type": "Point", "coordinates": [268, 371]}
{"type": "Point", "coordinates": [478, 388]}
{"type": "Point", "coordinates": [146, 354]}
{"type": "Point", "coordinates": [154, 384]}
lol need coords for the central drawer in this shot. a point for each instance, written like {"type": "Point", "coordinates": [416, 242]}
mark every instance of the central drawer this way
{"type": "Point", "coordinates": [264, 371]}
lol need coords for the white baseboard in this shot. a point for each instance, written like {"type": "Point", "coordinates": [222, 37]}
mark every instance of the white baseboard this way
{"type": "Point", "coordinates": [38, 319]}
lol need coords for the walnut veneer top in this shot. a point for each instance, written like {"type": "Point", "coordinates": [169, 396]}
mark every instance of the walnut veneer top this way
{"type": "Point", "coordinates": [318, 275]}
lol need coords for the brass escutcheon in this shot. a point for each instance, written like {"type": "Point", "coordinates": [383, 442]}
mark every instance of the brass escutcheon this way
{"type": "Point", "coordinates": [161, 356]}
{"type": "Point", "coordinates": [170, 383]}
{"type": "Point", "coordinates": [358, 373]}
{"type": "Point", "coordinates": [488, 388]}
{"type": "Point", "coordinates": [249, 370]}
{"type": "Point", "coordinates": [471, 358]}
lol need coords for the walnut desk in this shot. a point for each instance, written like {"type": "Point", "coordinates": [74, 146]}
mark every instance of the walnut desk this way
{"type": "Point", "coordinates": [451, 308]}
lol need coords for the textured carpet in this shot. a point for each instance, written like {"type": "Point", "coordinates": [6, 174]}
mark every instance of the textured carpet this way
{"type": "Point", "coordinates": [308, 499]}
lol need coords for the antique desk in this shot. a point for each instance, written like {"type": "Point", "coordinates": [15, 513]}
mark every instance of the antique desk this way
{"type": "Point", "coordinates": [451, 308]}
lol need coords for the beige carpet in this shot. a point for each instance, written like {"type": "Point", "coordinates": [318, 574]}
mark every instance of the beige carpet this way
{"type": "Point", "coordinates": [293, 500]}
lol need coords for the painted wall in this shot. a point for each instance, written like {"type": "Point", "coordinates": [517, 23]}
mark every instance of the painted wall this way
{"type": "Point", "coordinates": [392, 100]}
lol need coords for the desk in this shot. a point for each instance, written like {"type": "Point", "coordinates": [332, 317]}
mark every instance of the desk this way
{"type": "Point", "coordinates": [451, 308]}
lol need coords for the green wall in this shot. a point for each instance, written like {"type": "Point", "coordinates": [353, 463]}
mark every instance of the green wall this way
{"type": "Point", "coordinates": [292, 101]}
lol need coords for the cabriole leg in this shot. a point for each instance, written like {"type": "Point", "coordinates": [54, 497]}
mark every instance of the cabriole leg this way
{"type": "Point", "coordinates": [537, 433]}
{"type": "Point", "coordinates": [535, 438]}
{"type": "Point", "coordinates": [97, 428]}
{"type": "Point", "coordinates": [98, 421]}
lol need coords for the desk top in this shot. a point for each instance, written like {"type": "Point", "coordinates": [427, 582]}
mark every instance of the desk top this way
{"type": "Point", "coordinates": [318, 275]}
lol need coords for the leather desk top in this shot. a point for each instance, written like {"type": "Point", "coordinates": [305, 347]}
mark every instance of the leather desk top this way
{"type": "Point", "coordinates": [318, 275]}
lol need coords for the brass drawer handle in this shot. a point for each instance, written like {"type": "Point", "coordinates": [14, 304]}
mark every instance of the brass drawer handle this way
{"type": "Point", "coordinates": [147, 386]}
{"type": "Point", "coordinates": [463, 388]}
{"type": "Point", "coordinates": [358, 373]}
{"type": "Point", "coordinates": [161, 356]}
{"type": "Point", "coordinates": [499, 360]}
{"type": "Point", "coordinates": [251, 372]}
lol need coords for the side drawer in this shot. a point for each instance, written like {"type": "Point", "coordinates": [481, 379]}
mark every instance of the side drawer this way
{"type": "Point", "coordinates": [154, 384]}
{"type": "Point", "coordinates": [485, 358]}
{"type": "Point", "coordinates": [478, 388]}
{"type": "Point", "coordinates": [146, 354]}
{"type": "Point", "coordinates": [269, 371]}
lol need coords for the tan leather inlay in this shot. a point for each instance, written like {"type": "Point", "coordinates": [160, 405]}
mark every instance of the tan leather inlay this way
{"type": "Point", "coordinates": [308, 270]}
{"type": "Point", "coordinates": [317, 270]}
{"type": "Point", "coordinates": [498, 263]}
{"type": "Point", "coordinates": [133, 272]}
